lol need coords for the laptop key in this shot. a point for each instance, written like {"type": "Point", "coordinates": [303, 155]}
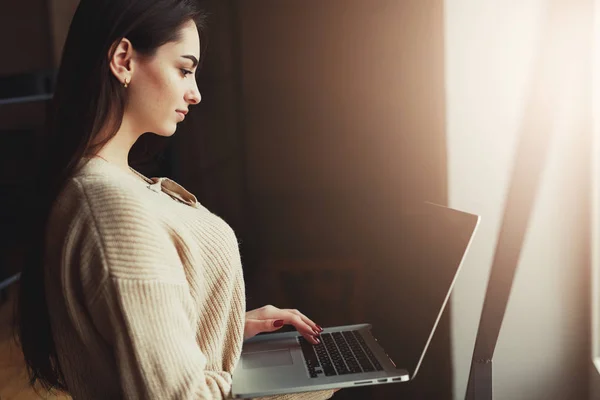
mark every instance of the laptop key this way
{"type": "Point", "coordinates": [329, 371]}
{"type": "Point", "coordinates": [359, 352]}
{"type": "Point", "coordinates": [344, 370]}
{"type": "Point", "coordinates": [354, 368]}
{"type": "Point", "coordinates": [310, 358]}
{"type": "Point", "coordinates": [339, 353]}
{"type": "Point", "coordinates": [367, 367]}
{"type": "Point", "coordinates": [337, 357]}
{"type": "Point", "coordinates": [368, 351]}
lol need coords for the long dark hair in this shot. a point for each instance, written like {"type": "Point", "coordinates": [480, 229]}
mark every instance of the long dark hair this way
{"type": "Point", "coordinates": [88, 99]}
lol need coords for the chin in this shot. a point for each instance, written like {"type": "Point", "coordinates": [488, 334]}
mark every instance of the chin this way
{"type": "Point", "coordinates": [166, 132]}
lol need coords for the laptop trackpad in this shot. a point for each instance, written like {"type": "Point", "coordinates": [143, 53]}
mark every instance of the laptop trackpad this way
{"type": "Point", "coordinates": [266, 359]}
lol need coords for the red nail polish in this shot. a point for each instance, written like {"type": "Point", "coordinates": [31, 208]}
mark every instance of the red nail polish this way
{"type": "Point", "coordinates": [278, 323]}
{"type": "Point", "coordinates": [319, 328]}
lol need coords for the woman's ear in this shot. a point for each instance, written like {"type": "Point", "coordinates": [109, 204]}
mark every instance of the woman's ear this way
{"type": "Point", "coordinates": [121, 62]}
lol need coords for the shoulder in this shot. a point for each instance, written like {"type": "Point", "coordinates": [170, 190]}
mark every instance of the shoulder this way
{"type": "Point", "coordinates": [102, 190]}
{"type": "Point", "coordinates": [103, 186]}
{"type": "Point", "coordinates": [106, 199]}
{"type": "Point", "coordinates": [113, 215]}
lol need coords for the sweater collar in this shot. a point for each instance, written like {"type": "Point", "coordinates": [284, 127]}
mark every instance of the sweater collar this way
{"type": "Point", "coordinates": [156, 184]}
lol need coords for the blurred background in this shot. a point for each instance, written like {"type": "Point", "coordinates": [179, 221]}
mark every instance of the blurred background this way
{"type": "Point", "coordinates": [321, 121]}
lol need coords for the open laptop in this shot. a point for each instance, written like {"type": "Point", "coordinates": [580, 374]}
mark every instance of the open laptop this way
{"type": "Point", "coordinates": [405, 300]}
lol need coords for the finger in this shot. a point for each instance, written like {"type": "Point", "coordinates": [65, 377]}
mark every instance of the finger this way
{"type": "Point", "coordinates": [306, 320]}
{"type": "Point", "coordinates": [302, 327]}
{"type": "Point", "coordinates": [316, 328]}
{"type": "Point", "coordinates": [255, 326]}
{"type": "Point", "coordinates": [270, 311]}
{"type": "Point", "coordinates": [270, 325]}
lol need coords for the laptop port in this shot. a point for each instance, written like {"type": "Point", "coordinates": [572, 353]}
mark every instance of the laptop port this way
{"type": "Point", "coordinates": [382, 380]}
{"type": "Point", "coordinates": [362, 382]}
{"type": "Point", "coordinates": [396, 379]}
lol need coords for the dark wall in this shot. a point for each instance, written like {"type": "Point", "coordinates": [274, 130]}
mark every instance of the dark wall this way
{"type": "Point", "coordinates": [25, 37]}
{"type": "Point", "coordinates": [26, 48]}
{"type": "Point", "coordinates": [320, 123]}
{"type": "Point", "coordinates": [343, 116]}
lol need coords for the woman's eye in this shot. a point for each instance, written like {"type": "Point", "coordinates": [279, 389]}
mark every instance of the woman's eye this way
{"type": "Point", "coordinates": [186, 72]}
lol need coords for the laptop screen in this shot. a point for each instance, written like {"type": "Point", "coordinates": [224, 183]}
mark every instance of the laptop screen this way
{"type": "Point", "coordinates": [406, 294]}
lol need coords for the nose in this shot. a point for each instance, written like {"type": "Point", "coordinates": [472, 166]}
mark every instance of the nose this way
{"type": "Point", "coordinates": [193, 96]}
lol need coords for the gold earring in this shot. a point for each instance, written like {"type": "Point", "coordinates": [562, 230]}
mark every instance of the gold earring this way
{"type": "Point", "coordinates": [125, 84]}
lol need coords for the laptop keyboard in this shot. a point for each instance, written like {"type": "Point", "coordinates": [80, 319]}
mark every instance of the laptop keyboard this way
{"type": "Point", "coordinates": [339, 353]}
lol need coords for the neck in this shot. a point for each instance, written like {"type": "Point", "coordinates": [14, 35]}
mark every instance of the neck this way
{"type": "Point", "coordinates": [116, 150]}
{"type": "Point", "coordinates": [127, 169]}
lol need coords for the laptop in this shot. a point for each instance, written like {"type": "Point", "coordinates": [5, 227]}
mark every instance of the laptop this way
{"type": "Point", "coordinates": [406, 302]}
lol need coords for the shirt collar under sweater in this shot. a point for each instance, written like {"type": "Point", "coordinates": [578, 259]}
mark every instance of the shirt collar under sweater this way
{"type": "Point", "coordinates": [156, 184]}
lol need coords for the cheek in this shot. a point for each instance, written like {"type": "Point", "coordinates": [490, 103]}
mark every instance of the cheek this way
{"type": "Point", "coordinates": [154, 100]}
{"type": "Point", "coordinates": [156, 88]}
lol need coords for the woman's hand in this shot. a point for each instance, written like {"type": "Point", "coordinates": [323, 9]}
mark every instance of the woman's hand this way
{"type": "Point", "coordinates": [269, 319]}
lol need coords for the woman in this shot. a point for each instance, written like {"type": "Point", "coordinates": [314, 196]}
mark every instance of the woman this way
{"type": "Point", "coordinates": [132, 288]}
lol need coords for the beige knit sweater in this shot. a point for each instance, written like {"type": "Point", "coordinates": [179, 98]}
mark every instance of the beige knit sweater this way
{"type": "Point", "coordinates": [144, 288]}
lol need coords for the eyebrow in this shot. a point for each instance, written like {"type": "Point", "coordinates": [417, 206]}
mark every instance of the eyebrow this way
{"type": "Point", "coordinates": [194, 59]}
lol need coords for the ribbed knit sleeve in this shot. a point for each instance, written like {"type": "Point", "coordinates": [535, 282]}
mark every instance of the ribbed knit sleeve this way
{"type": "Point", "coordinates": [155, 348]}
{"type": "Point", "coordinates": [144, 306]}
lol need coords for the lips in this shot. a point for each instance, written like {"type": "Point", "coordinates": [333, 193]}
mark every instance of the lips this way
{"type": "Point", "coordinates": [182, 113]}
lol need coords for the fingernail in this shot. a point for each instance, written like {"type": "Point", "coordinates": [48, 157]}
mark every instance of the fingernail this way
{"type": "Point", "coordinates": [317, 340]}
{"type": "Point", "coordinates": [319, 328]}
{"type": "Point", "coordinates": [316, 332]}
{"type": "Point", "coordinates": [278, 323]}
